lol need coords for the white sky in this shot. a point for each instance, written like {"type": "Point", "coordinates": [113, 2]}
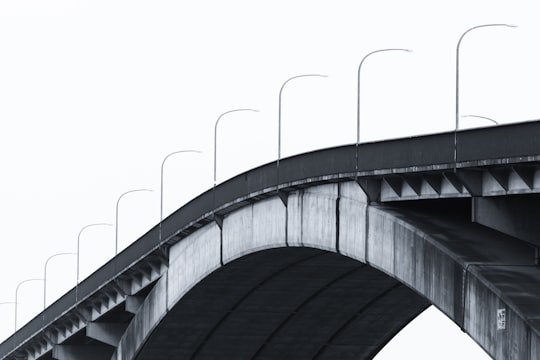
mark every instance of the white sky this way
{"type": "Point", "coordinates": [94, 94]}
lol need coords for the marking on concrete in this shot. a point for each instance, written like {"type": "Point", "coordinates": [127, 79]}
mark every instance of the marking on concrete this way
{"type": "Point", "coordinates": [501, 319]}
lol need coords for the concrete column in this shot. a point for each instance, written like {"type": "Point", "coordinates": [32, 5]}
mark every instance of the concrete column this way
{"type": "Point", "coordinates": [352, 221]}
{"type": "Point", "coordinates": [312, 217]}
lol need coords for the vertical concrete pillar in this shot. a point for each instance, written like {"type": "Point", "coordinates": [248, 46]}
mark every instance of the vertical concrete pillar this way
{"type": "Point", "coordinates": [352, 221]}
{"type": "Point", "coordinates": [312, 217]}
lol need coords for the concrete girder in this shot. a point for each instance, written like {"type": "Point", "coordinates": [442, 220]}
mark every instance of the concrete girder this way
{"type": "Point", "coordinates": [142, 275]}
{"type": "Point", "coordinates": [431, 185]}
{"type": "Point", "coordinates": [395, 183]}
{"type": "Point", "coordinates": [485, 181]}
{"type": "Point", "coordinates": [133, 303]}
{"type": "Point", "coordinates": [451, 179]}
{"type": "Point", "coordinates": [471, 180]}
{"type": "Point", "coordinates": [414, 182]}
{"type": "Point", "coordinates": [107, 333]}
{"type": "Point", "coordinates": [526, 174]}
{"type": "Point", "coordinates": [68, 326]}
{"type": "Point", "coordinates": [434, 181]}
{"type": "Point", "coordinates": [500, 175]}
{"type": "Point", "coordinates": [283, 196]}
{"type": "Point", "coordinates": [38, 348]}
{"type": "Point", "coordinates": [83, 313]}
{"type": "Point", "coordinates": [371, 187]}
{"type": "Point", "coordinates": [81, 352]}
{"type": "Point", "coordinates": [513, 215]}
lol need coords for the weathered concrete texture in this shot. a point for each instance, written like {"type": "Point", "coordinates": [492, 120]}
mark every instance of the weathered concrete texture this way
{"type": "Point", "coordinates": [408, 254]}
{"type": "Point", "coordinates": [535, 343]}
{"type": "Point", "coordinates": [190, 261]}
{"type": "Point", "coordinates": [442, 256]}
{"type": "Point", "coordinates": [107, 333]}
{"type": "Point", "coordinates": [352, 221]}
{"type": "Point", "coordinates": [254, 227]}
{"type": "Point", "coordinates": [76, 352]}
{"type": "Point", "coordinates": [516, 216]}
{"type": "Point", "coordinates": [511, 337]}
{"type": "Point", "coordinates": [150, 313]}
{"type": "Point", "coordinates": [471, 272]}
{"type": "Point", "coordinates": [312, 217]}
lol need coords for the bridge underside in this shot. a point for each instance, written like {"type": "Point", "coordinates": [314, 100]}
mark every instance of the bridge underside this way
{"type": "Point", "coordinates": [286, 303]}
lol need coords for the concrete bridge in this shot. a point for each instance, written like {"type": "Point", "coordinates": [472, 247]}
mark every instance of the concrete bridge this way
{"type": "Point", "coordinates": [327, 255]}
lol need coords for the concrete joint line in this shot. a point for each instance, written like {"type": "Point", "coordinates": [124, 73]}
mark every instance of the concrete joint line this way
{"type": "Point", "coordinates": [285, 203]}
{"type": "Point", "coordinates": [464, 284]}
{"type": "Point", "coordinates": [337, 215]}
{"type": "Point", "coordinates": [301, 194]}
{"type": "Point", "coordinates": [284, 196]}
{"type": "Point", "coordinates": [221, 245]}
{"type": "Point", "coordinates": [464, 291]}
{"type": "Point", "coordinates": [366, 236]}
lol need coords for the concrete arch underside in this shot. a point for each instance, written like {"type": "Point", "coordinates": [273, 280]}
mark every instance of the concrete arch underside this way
{"type": "Point", "coordinates": [287, 303]}
{"type": "Point", "coordinates": [285, 255]}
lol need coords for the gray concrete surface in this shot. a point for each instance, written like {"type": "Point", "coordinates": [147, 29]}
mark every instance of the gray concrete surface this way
{"type": "Point", "coordinates": [468, 271]}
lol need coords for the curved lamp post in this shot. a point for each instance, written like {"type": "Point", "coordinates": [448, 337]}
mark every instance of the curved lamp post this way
{"type": "Point", "coordinates": [358, 89]}
{"type": "Point", "coordinates": [481, 117]}
{"type": "Point", "coordinates": [457, 77]}
{"type": "Point", "coordinates": [117, 204]}
{"type": "Point", "coordinates": [161, 184]}
{"type": "Point", "coordinates": [17, 296]}
{"type": "Point", "coordinates": [215, 136]}
{"type": "Point", "coordinates": [79, 243]}
{"type": "Point", "coordinates": [45, 275]}
{"type": "Point", "coordinates": [279, 108]}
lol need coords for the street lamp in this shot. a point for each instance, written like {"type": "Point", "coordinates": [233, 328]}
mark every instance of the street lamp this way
{"type": "Point", "coordinates": [481, 117]}
{"type": "Point", "coordinates": [17, 296]}
{"type": "Point", "coordinates": [215, 136]}
{"type": "Point", "coordinates": [358, 89]}
{"type": "Point", "coordinates": [161, 185]}
{"type": "Point", "coordinates": [79, 243]}
{"type": "Point", "coordinates": [45, 275]}
{"type": "Point", "coordinates": [457, 76]}
{"type": "Point", "coordinates": [279, 108]}
{"type": "Point", "coordinates": [117, 204]}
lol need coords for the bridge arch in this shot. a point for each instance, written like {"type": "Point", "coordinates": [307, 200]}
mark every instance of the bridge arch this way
{"type": "Point", "coordinates": [335, 221]}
